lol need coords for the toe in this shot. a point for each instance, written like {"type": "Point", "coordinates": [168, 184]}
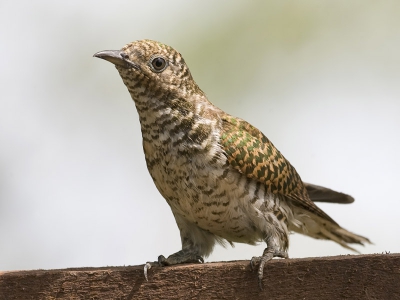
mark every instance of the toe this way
{"type": "Point", "coordinates": [162, 261]}
{"type": "Point", "coordinates": [255, 260]}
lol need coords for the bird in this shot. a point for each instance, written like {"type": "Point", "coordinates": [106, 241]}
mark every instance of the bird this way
{"type": "Point", "coordinates": [223, 179]}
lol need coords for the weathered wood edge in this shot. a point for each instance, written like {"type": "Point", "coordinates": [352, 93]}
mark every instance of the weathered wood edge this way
{"type": "Point", "coordinates": [375, 276]}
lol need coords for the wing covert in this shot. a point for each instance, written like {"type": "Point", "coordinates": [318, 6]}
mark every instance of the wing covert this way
{"type": "Point", "coordinates": [251, 153]}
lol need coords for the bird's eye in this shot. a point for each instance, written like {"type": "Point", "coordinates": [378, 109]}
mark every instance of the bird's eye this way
{"type": "Point", "coordinates": [158, 64]}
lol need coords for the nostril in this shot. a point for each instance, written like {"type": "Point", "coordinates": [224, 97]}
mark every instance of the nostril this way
{"type": "Point", "coordinates": [124, 55]}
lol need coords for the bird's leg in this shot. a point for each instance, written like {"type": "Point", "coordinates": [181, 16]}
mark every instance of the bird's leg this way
{"type": "Point", "coordinates": [269, 253]}
{"type": "Point", "coordinates": [194, 241]}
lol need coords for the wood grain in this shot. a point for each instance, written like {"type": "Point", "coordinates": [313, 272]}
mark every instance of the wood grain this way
{"type": "Point", "coordinates": [339, 277]}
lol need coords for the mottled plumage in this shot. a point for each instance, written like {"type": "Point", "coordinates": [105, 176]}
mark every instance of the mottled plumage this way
{"type": "Point", "coordinates": [222, 177]}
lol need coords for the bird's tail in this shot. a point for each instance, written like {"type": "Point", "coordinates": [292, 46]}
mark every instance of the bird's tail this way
{"type": "Point", "coordinates": [322, 194]}
{"type": "Point", "coordinates": [314, 226]}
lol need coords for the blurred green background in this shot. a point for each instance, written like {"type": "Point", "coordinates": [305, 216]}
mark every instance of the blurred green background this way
{"type": "Point", "coordinates": [319, 78]}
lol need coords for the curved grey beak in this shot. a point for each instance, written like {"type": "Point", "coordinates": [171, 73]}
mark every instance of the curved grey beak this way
{"type": "Point", "coordinates": [117, 57]}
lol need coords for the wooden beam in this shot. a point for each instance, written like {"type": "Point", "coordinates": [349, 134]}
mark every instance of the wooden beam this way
{"type": "Point", "coordinates": [349, 277]}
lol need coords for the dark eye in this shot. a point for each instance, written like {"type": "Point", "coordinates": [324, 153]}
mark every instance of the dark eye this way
{"type": "Point", "coordinates": [158, 64]}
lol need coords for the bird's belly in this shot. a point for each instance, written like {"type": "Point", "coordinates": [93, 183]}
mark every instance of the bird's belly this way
{"type": "Point", "coordinates": [230, 222]}
{"type": "Point", "coordinates": [214, 200]}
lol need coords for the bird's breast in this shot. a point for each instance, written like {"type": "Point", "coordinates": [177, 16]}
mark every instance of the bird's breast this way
{"type": "Point", "coordinates": [205, 190]}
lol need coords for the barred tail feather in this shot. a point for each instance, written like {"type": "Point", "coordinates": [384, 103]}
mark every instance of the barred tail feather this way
{"type": "Point", "coordinates": [314, 226]}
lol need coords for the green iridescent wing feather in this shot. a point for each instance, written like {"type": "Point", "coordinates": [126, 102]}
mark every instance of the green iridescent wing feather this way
{"type": "Point", "coordinates": [251, 153]}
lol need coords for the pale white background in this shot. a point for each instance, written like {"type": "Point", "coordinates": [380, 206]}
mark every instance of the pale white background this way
{"type": "Point", "coordinates": [320, 79]}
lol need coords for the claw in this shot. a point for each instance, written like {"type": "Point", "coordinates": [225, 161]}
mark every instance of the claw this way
{"type": "Point", "coordinates": [147, 266]}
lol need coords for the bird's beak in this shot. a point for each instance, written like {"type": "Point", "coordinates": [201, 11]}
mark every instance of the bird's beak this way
{"type": "Point", "coordinates": [117, 57]}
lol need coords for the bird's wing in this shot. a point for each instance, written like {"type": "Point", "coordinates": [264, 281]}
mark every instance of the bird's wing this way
{"type": "Point", "coordinates": [251, 153]}
{"type": "Point", "coordinates": [322, 194]}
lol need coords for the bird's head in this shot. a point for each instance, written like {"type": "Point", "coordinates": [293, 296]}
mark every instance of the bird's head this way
{"type": "Point", "coordinates": [151, 69]}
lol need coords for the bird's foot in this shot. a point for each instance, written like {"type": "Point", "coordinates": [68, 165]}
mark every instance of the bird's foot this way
{"type": "Point", "coordinates": [269, 253]}
{"type": "Point", "coordinates": [181, 257]}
